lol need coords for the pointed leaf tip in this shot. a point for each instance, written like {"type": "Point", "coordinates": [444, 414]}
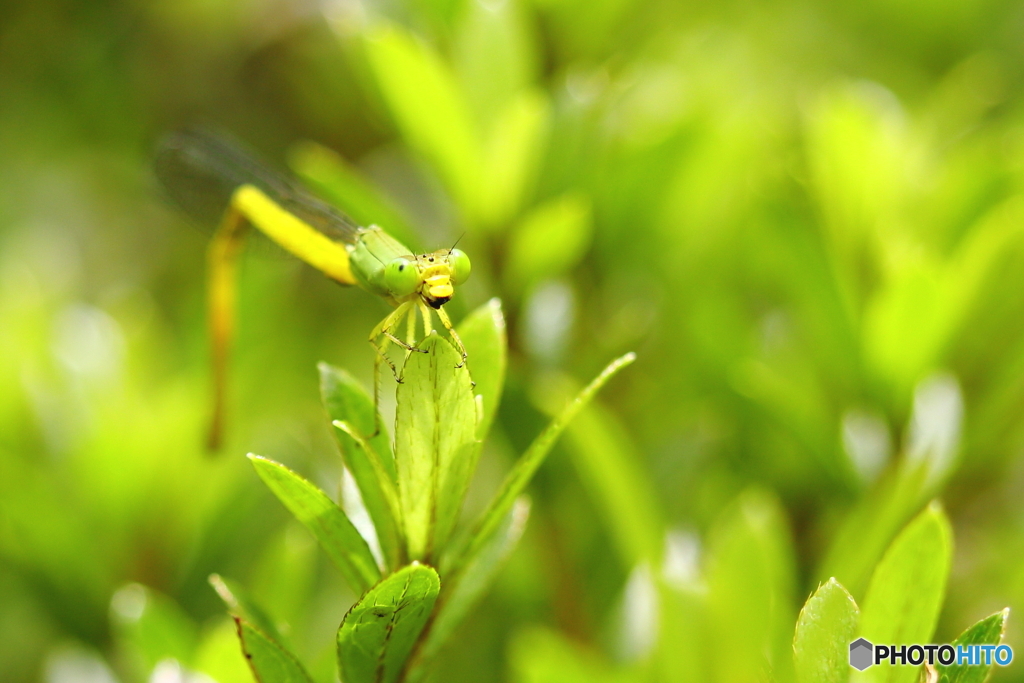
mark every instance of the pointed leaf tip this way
{"type": "Point", "coordinates": [907, 588]}
{"type": "Point", "coordinates": [825, 627]}
{"type": "Point", "coordinates": [325, 520]}
{"type": "Point", "coordinates": [988, 631]}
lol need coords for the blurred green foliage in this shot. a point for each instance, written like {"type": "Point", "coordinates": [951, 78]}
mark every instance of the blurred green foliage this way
{"type": "Point", "coordinates": [806, 218]}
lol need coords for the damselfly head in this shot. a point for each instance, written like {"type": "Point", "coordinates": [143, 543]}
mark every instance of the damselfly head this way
{"type": "Point", "coordinates": [432, 276]}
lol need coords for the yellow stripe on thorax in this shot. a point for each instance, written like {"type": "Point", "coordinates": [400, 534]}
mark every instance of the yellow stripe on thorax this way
{"type": "Point", "coordinates": [293, 234]}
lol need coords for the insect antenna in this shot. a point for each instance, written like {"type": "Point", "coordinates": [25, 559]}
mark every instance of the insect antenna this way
{"type": "Point", "coordinates": [456, 243]}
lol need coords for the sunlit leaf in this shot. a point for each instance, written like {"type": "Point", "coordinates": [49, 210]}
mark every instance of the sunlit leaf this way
{"type": "Point", "coordinates": [906, 591]}
{"type": "Point", "coordinates": [856, 156]}
{"type": "Point", "coordinates": [326, 521]}
{"type": "Point", "coordinates": [871, 525]}
{"type": "Point", "coordinates": [435, 443]}
{"type": "Point", "coordinates": [824, 630]}
{"type": "Point", "coordinates": [380, 630]}
{"type": "Point", "coordinates": [428, 107]}
{"type": "Point", "coordinates": [909, 320]}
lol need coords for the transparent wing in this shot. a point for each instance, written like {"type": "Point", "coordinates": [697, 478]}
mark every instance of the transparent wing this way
{"type": "Point", "coordinates": [201, 170]}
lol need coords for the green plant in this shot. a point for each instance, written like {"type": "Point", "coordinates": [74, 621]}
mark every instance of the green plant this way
{"type": "Point", "coordinates": [427, 572]}
{"type": "Point", "coordinates": [732, 622]}
{"type": "Point", "coordinates": [901, 607]}
{"type": "Point", "coordinates": [808, 216]}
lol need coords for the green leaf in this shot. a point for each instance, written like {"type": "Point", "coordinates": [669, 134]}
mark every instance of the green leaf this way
{"type": "Point", "coordinates": [911, 319]}
{"type": "Point", "coordinates": [824, 630]}
{"type": "Point", "coordinates": [372, 467]}
{"type": "Point", "coordinates": [342, 185]}
{"type": "Point", "coordinates": [429, 108]}
{"type": "Point", "coordinates": [857, 160]}
{"type": "Point", "coordinates": [345, 399]}
{"type": "Point", "coordinates": [494, 56]}
{"type": "Point", "coordinates": [750, 589]}
{"type": "Point", "coordinates": [483, 333]}
{"type": "Point", "coordinates": [906, 590]}
{"type": "Point", "coordinates": [550, 240]}
{"type": "Point", "coordinates": [388, 489]}
{"type": "Point", "coordinates": [270, 663]}
{"type": "Point", "coordinates": [464, 589]}
{"type": "Point", "coordinates": [379, 632]}
{"type": "Point", "coordinates": [512, 154]}
{"type": "Point", "coordinates": [517, 480]}
{"type": "Point", "coordinates": [988, 631]}
{"type": "Point", "coordinates": [328, 523]}
{"type": "Point", "coordinates": [435, 443]}
{"type": "Point", "coordinates": [871, 526]}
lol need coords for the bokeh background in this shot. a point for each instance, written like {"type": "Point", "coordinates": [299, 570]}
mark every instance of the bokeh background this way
{"type": "Point", "coordinates": [805, 217]}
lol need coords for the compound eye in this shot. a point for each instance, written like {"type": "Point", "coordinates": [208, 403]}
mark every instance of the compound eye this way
{"type": "Point", "coordinates": [401, 277]}
{"type": "Point", "coordinates": [460, 266]}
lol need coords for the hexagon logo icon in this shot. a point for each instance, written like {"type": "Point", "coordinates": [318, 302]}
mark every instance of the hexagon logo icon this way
{"type": "Point", "coordinates": [861, 654]}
